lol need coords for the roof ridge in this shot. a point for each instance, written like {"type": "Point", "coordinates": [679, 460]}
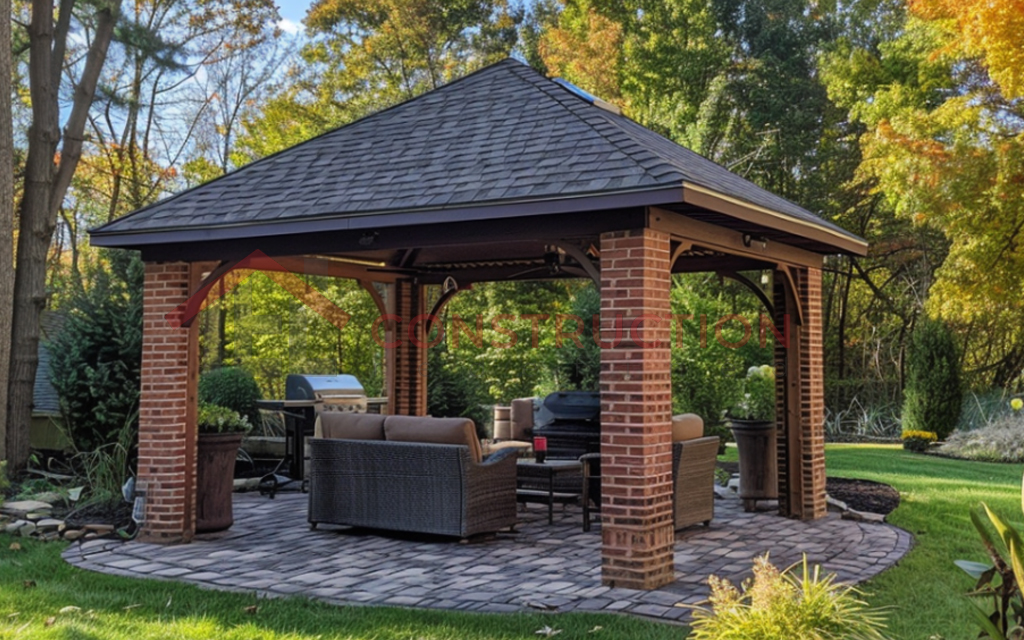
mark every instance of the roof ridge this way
{"type": "Point", "coordinates": [586, 112]}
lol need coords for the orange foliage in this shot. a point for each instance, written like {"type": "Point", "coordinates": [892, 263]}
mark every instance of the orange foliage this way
{"type": "Point", "coordinates": [589, 59]}
{"type": "Point", "coordinates": [992, 30]}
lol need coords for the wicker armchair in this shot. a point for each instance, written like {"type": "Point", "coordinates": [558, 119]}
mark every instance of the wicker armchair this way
{"type": "Point", "coordinates": [411, 486]}
{"type": "Point", "coordinates": [693, 480]}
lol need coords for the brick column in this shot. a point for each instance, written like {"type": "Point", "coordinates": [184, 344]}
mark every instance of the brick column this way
{"type": "Point", "coordinates": [407, 362]}
{"type": "Point", "coordinates": [637, 532]}
{"type": "Point", "coordinates": [801, 395]}
{"type": "Point", "coordinates": [167, 434]}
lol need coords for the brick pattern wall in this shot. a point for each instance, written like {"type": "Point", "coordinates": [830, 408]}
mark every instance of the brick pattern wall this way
{"type": "Point", "coordinates": [637, 532]}
{"type": "Point", "coordinates": [167, 445]}
{"type": "Point", "coordinates": [800, 397]}
{"type": "Point", "coordinates": [409, 359]}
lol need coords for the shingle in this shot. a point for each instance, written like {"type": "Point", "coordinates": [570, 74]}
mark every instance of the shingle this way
{"type": "Point", "coordinates": [504, 132]}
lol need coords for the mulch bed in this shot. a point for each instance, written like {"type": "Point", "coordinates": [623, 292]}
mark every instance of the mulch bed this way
{"type": "Point", "coordinates": [862, 495]}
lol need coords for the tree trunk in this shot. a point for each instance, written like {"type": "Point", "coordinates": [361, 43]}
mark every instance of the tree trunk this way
{"type": "Point", "coordinates": [46, 183]}
{"type": "Point", "coordinates": [6, 212]}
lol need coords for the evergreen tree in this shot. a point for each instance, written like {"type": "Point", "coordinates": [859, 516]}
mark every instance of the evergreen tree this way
{"type": "Point", "coordinates": [934, 392]}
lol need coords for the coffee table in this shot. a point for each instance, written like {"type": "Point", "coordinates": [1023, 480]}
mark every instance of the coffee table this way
{"type": "Point", "coordinates": [530, 470]}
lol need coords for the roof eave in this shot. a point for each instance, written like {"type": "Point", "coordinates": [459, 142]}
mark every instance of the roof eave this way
{"type": "Point", "coordinates": [842, 241]}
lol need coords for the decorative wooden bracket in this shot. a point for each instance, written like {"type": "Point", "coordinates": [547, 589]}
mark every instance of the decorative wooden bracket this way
{"type": "Point", "coordinates": [750, 284]}
{"type": "Point", "coordinates": [791, 291]}
{"type": "Point", "coordinates": [579, 256]}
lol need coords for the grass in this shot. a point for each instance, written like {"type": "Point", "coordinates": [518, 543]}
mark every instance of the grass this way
{"type": "Point", "coordinates": [115, 608]}
{"type": "Point", "coordinates": [924, 593]}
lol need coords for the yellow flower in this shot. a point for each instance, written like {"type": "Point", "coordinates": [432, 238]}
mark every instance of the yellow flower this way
{"type": "Point", "coordinates": [930, 436]}
{"type": "Point", "coordinates": [1017, 404]}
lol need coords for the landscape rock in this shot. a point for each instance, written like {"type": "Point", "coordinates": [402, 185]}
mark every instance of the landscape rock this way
{"type": "Point", "coordinates": [47, 524]}
{"type": "Point", "coordinates": [99, 528]}
{"type": "Point", "coordinates": [836, 505]}
{"type": "Point", "coordinates": [863, 516]}
{"type": "Point", "coordinates": [22, 508]}
{"type": "Point", "coordinates": [73, 534]}
{"type": "Point", "coordinates": [27, 529]}
{"type": "Point", "coordinates": [15, 526]}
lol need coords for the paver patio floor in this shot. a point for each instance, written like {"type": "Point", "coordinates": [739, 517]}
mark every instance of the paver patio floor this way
{"type": "Point", "coordinates": [271, 550]}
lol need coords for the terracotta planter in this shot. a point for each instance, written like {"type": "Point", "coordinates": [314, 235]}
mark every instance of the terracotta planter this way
{"type": "Point", "coordinates": [759, 475]}
{"type": "Point", "coordinates": [215, 479]}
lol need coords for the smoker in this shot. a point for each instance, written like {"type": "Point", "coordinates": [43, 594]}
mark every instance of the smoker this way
{"type": "Point", "coordinates": [571, 421]}
{"type": "Point", "coordinates": [305, 397]}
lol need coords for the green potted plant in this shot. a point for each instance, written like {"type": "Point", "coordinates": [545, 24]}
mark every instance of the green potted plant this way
{"type": "Point", "coordinates": [752, 420]}
{"type": "Point", "coordinates": [220, 432]}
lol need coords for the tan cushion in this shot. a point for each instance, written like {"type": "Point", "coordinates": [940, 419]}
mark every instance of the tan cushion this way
{"type": "Point", "coordinates": [435, 431]}
{"type": "Point", "coordinates": [507, 444]}
{"type": "Point", "coordinates": [350, 426]}
{"type": "Point", "coordinates": [521, 416]}
{"type": "Point", "coordinates": [687, 426]}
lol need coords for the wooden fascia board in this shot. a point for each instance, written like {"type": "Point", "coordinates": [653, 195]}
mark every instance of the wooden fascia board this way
{"type": "Point", "coordinates": [709, 236]}
{"type": "Point", "coordinates": [705, 198]}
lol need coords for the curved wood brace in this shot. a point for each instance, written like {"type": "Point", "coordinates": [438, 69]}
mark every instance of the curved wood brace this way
{"type": "Point", "coordinates": [586, 263]}
{"type": "Point", "coordinates": [443, 300]}
{"type": "Point", "coordinates": [382, 307]}
{"type": "Point", "coordinates": [750, 284]}
{"type": "Point", "coordinates": [680, 248]}
{"type": "Point", "coordinates": [198, 297]}
{"type": "Point", "coordinates": [792, 293]}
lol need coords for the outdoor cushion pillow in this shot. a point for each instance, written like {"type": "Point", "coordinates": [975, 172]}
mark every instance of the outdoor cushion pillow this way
{"type": "Point", "coordinates": [434, 431]}
{"type": "Point", "coordinates": [351, 426]}
{"type": "Point", "coordinates": [687, 426]}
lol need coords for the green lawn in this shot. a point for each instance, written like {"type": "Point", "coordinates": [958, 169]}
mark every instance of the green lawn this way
{"type": "Point", "coordinates": [925, 592]}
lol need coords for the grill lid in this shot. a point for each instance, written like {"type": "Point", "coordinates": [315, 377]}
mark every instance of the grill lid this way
{"type": "Point", "coordinates": [303, 387]}
{"type": "Point", "coordinates": [574, 405]}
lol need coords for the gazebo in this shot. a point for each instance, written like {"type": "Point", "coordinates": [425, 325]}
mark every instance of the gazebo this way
{"type": "Point", "coordinates": [500, 175]}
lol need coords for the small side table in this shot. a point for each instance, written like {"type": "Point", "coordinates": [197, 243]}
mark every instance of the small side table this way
{"type": "Point", "coordinates": [530, 470]}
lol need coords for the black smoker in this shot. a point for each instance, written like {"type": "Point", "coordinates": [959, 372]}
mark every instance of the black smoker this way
{"type": "Point", "coordinates": [571, 422]}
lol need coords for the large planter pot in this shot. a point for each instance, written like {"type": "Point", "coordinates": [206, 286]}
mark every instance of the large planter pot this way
{"type": "Point", "coordinates": [215, 473]}
{"type": "Point", "coordinates": [759, 471]}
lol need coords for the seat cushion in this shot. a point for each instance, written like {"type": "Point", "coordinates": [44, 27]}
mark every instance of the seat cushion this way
{"type": "Point", "coordinates": [350, 426]}
{"type": "Point", "coordinates": [434, 431]}
{"type": "Point", "coordinates": [687, 426]}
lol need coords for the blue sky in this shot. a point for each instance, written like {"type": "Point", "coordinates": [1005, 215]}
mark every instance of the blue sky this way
{"type": "Point", "coordinates": [292, 13]}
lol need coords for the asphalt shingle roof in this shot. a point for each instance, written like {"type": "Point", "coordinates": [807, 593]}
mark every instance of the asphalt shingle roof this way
{"type": "Point", "coordinates": [505, 133]}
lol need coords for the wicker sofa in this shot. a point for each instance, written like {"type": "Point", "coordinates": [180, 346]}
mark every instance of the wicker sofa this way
{"type": "Point", "coordinates": [403, 473]}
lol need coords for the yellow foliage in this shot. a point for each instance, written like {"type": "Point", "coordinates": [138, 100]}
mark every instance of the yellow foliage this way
{"type": "Point", "coordinates": [587, 55]}
{"type": "Point", "coordinates": [989, 29]}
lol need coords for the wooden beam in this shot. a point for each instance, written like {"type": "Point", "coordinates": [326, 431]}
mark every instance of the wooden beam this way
{"type": "Point", "coordinates": [711, 200]}
{"type": "Point", "coordinates": [727, 241]}
{"type": "Point", "coordinates": [586, 263]}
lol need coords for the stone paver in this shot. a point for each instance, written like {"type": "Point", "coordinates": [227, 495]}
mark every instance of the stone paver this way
{"type": "Point", "coordinates": [271, 550]}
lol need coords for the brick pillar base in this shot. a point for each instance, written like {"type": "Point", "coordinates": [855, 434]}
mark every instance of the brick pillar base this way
{"type": "Point", "coordinates": [637, 530]}
{"type": "Point", "coordinates": [167, 434]}
{"type": "Point", "coordinates": [407, 362]}
{"type": "Point", "coordinates": [801, 395]}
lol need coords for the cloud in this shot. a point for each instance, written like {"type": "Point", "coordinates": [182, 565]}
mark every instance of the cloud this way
{"type": "Point", "coordinates": [288, 26]}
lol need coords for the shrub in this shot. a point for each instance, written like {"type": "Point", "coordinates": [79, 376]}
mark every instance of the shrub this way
{"type": "Point", "coordinates": [934, 393]}
{"type": "Point", "coordinates": [918, 440]}
{"type": "Point", "coordinates": [777, 605]}
{"type": "Point", "coordinates": [214, 419]}
{"type": "Point", "coordinates": [97, 354]}
{"type": "Point", "coordinates": [233, 388]}
{"type": "Point", "coordinates": [1001, 441]}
